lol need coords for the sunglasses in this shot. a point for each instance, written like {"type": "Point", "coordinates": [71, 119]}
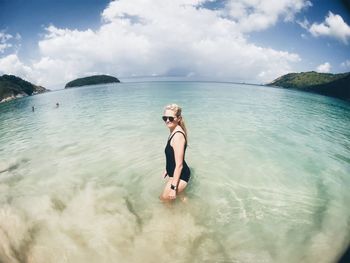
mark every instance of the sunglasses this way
{"type": "Point", "coordinates": [170, 118]}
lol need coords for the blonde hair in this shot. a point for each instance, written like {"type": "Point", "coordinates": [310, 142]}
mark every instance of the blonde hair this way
{"type": "Point", "coordinates": [177, 110]}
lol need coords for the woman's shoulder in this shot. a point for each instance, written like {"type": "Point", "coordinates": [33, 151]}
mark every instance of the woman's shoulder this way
{"type": "Point", "coordinates": [178, 134]}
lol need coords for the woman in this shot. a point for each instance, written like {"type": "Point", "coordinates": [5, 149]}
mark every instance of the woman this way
{"type": "Point", "coordinates": [176, 167]}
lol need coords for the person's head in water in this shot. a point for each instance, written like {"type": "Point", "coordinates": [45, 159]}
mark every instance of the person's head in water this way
{"type": "Point", "coordinates": [172, 117]}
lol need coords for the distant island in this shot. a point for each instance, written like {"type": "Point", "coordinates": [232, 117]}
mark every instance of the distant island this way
{"type": "Point", "coordinates": [92, 80]}
{"type": "Point", "coordinates": [12, 87]}
{"type": "Point", "coordinates": [333, 85]}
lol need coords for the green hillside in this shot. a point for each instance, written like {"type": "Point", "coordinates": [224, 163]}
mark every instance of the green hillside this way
{"type": "Point", "coordinates": [12, 87]}
{"type": "Point", "coordinates": [339, 88]}
{"type": "Point", "coordinates": [92, 80]}
{"type": "Point", "coordinates": [334, 85]}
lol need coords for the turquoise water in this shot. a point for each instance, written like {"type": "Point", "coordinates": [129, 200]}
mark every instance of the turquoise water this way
{"type": "Point", "coordinates": [80, 183]}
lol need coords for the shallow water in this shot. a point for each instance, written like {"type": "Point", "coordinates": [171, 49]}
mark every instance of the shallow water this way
{"type": "Point", "coordinates": [80, 183]}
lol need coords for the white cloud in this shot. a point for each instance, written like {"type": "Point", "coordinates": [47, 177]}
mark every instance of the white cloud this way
{"type": "Point", "coordinates": [304, 24]}
{"type": "Point", "coordinates": [164, 37]}
{"type": "Point", "coordinates": [18, 36]}
{"type": "Point", "coordinates": [4, 39]}
{"type": "Point", "coordinates": [333, 26]}
{"type": "Point", "coordinates": [324, 68]}
{"type": "Point", "coordinates": [346, 64]}
{"type": "Point", "coordinates": [256, 15]}
{"type": "Point", "coordinates": [12, 65]}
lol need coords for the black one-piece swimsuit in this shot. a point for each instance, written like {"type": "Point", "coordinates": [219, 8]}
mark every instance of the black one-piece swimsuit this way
{"type": "Point", "coordinates": [170, 160]}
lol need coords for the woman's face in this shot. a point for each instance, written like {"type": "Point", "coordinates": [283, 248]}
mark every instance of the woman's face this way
{"type": "Point", "coordinates": [171, 116]}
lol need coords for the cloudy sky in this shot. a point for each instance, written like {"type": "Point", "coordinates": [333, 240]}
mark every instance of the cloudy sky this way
{"type": "Point", "coordinates": [52, 42]}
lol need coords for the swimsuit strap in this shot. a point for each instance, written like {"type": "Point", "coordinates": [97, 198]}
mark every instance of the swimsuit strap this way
{"type": "Point", "coordinates": [174, 134]}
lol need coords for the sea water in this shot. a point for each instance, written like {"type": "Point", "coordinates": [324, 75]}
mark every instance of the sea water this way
{"type": "Point", "coordinates": [81, 182]}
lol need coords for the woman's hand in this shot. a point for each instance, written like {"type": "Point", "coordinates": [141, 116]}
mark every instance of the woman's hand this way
{"type": "Point", "coordinates": [172, 194]}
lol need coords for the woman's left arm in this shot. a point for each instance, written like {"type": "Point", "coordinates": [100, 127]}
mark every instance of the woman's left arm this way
{"type": "Point", "coordinates": [179, 148]}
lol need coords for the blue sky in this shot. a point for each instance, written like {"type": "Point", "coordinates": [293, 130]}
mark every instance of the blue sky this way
{"type": "Point", "coordinates": [52, 42]}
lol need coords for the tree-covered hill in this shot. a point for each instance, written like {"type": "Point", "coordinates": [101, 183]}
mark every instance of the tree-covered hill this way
{"type": "Point", "coordinates": [92, 80]}
{"type": "Point", "coordinates": [334, 85]}
{"type": "Point", "coordinates": [12, 87]}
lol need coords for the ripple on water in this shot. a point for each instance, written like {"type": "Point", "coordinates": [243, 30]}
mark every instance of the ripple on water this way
{"type": "Point", "coordinates": [81, 183]}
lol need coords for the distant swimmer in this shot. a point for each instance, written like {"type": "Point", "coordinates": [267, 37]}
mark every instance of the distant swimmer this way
{"type": "Point", "coordinates": [176, 168]}
{"type": "Point", "coordinates": [57, 104]}
{"type": "Point", "coordinates": [32, 108]}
